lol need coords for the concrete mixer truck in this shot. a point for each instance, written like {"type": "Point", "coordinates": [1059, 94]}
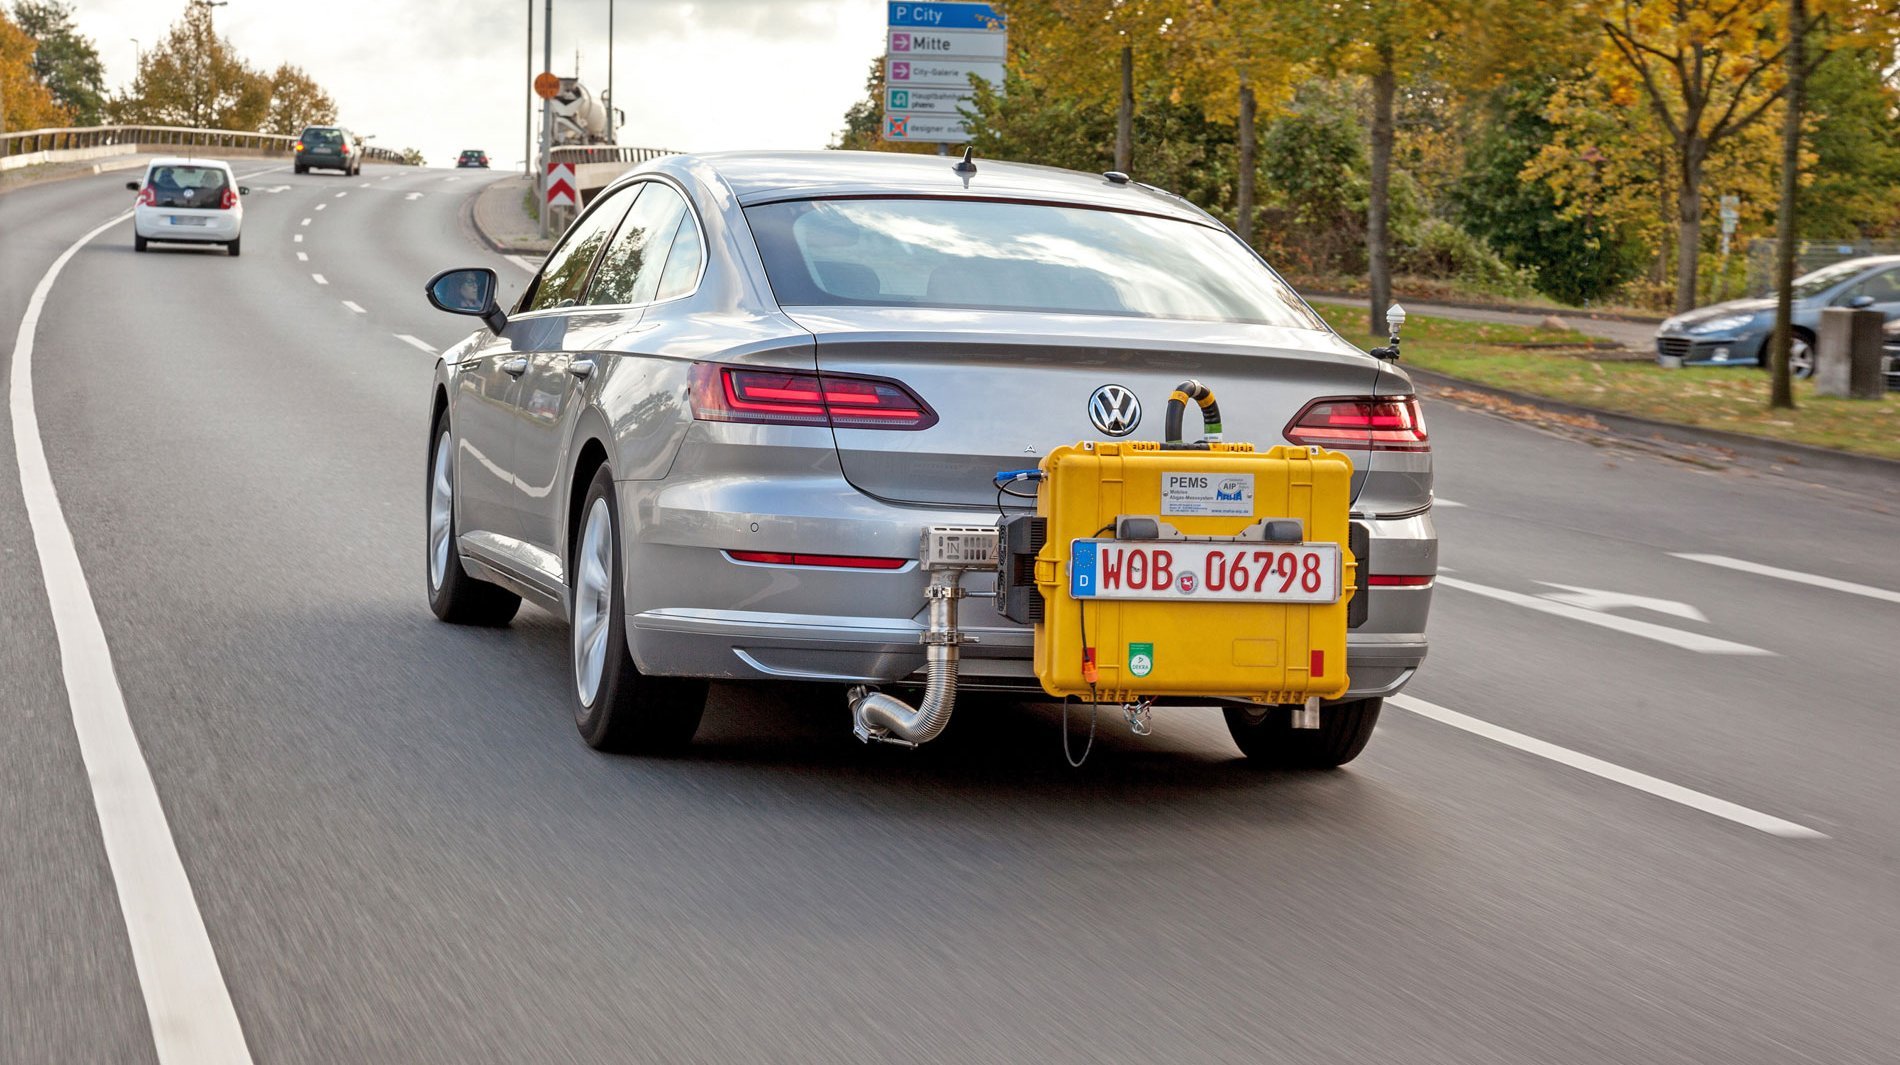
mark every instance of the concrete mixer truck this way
{"type": "Point", "coordinates": [579, 116]}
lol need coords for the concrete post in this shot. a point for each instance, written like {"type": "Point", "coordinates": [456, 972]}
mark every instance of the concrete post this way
{"type": "Point", "coordinates": [1847, 358]}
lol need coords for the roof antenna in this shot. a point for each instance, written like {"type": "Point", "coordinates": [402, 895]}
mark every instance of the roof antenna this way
{"type": "Point", "coordinates": [968, 164]}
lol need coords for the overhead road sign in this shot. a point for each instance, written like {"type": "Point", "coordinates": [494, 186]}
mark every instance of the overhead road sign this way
{"type": "Point", "coordinates": [932, 50]}
{"type": "Point", "coordinates": [946, 16]}
{"type": "Point", "coordinates": [964, 44]}
{"type": "Point", "coordinates": [930, 101]}
{"type": "Point", "coordinates": [943, 73]}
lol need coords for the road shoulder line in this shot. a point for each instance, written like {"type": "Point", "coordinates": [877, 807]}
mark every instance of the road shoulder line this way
{"type": "Point", "coordinates": [186, 1000]}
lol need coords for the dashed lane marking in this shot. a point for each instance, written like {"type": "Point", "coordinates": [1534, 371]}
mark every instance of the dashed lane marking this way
{"type": "Point", "coordinates": [305, 222]}
{"type": "Point", "coordinates": [302, 258]}
{"type": "Point", "coordinates": [1649, 630]}
{"type": "Point", "coordinates": [186, 1000]}
{"type": "Point", "coordinates": [321, 206]}
{"type": "Point", "coordinates": [416, 342]}
{"type": "Point", "coordinates": [354, 307]}
{"type": "Point", "coordinates": [319, 279]}
{"type": "Point", "coordinates": [1643, 782]}
{"type": "Point", "coordinates": [413, 196]}
{"type": "Point", "coordinates": [1818, 581]}
{"type": "Point", "coordinates": [340, 195]}
{"type": "Point", "coordinates": [298, 238]}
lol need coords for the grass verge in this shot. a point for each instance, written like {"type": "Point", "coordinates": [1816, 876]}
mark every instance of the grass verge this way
{"type": "Point", "coordinates": [1734, 399]}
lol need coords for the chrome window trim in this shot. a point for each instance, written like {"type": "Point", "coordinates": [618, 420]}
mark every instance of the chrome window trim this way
{"type": "Point", "coordinates": [705, 259]}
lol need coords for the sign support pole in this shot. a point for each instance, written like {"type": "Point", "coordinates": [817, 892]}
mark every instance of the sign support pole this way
{"type": "Point", "coordinates": [547, 111]}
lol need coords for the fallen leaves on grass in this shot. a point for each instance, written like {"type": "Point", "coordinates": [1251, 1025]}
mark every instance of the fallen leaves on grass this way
{"type": "Point", "coordinates": [1522, 412]}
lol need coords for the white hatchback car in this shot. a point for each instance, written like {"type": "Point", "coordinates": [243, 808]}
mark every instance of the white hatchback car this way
{"type": "Point", "coordinates": [188, 201]}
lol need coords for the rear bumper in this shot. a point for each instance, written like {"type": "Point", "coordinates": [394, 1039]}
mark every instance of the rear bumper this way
{"type": "Point", "coordinates": [325, 160]}
{"type": "Point", "coordinates": [219, 227]}
{"type": "Point", "coordinates": [694, 611]}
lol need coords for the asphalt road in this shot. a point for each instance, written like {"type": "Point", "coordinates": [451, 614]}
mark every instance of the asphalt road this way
{"type": "Point", "coordinates": [1638, 335]}
{"type": "Point", "coordinates": [402, 853]}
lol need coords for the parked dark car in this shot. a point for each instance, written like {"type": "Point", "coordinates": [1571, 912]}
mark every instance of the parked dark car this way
{"type": "Point", "coordinates": [473, 157]}
{"type": "Point", "coordinates": [1736, 333]}
{"type": "Point", "coordinates": [329, 148]}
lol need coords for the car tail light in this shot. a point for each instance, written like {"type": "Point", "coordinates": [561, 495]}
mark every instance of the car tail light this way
{"type": "Point", "coordinates": [1375, 423]}
{"type": "Point", "coordinates": [785, 558]}
{"type": "Point", "coordinates": [346, 147]}
{"type": "Point", "coordinates": [802, 397]}
{"type": "Point", "coordinates": [148, 197]}
{"type": "Point", "coordinates": [228, 200]}
{"type": "Point", "coordinates": [1397, 580]}
{"type": "Point", "coordinates": [300, 146]}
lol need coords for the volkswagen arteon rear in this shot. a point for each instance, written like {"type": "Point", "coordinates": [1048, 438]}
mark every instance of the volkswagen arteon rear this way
{"type": "Point", "coordinates": [953, 330]}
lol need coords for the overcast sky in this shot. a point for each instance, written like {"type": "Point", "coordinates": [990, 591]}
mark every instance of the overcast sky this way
{"type": "Point", "coordinates": [442, 76]}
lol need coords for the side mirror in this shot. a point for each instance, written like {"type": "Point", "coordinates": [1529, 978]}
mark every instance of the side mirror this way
{"type": "Point", "coordinates": [132, 186]}
{"type": "Point", "coordinates": [1861, 302]}
{"type": "Point", "coordinates": [244, 190]}
{"type": "Point", "coordinates": [471, 291]}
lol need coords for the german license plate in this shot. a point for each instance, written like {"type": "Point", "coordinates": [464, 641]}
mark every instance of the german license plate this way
{"type": "Point", "coordinates": [186, 220]}
{"type": "Point", "coordinates": [1204, 571]}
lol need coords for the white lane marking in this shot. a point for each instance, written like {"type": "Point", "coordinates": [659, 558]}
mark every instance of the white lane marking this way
{"type": "Point", "coordinates": [354, 307]}
{"type": "Point", "coordinates": [1441, 501]}
{"type": "Point", "coordinates": [305, 222]}
{"type": "Point", "coordinates": [186, 1000]}
{"type": "Point", "coordinates": [1722, 808]}
{"type": "Point", "coordinates": [1600, 600]}
{"type": "Point", "coordinates": [1692, 641]}
{"type": "Point", "coordinates": [413, 196]}
{"type": "Point", "coordinates": [267, 170]}
{"type": "Point", "coordinates": [1796, 576]}
{"type": "Point", "coordinates": [302, 258]}
{"type": "Point", "coordinates": [298, 238]}
{"type": "Point", "coordinates": [526, 264]}
{"type": "Point", "coordinates": [385, 177]}
{"type": "Point", "coordinates": [415, 342]}
{"type": "Point", "coordinates": [364, 185]}
{"type": "Point", "coordinates": [451, 179]}
{"type": "Point", "coordinates": [319, 279]}
{"type": "Point", "coordinates": [340, 195]}
{"type": "Point", "coordinates": [321, 206]}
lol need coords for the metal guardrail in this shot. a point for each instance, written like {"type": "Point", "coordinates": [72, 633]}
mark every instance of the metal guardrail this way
{"type": "Point", "coordinates": [41, 140]}
{"type": "Point", "coordinates": [607, 153]}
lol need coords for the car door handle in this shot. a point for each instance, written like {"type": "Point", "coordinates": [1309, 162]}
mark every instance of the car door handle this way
{"type": "Point", "coordinates": [581, 368]}
{"type": "Point", "coordinates": [515, 367]}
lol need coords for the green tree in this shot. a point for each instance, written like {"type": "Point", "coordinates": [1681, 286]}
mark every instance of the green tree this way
{"type": "Point", "coordinates": [1580, 257]}
{"type": "Point", "coordinates": [66, 62]}
{"type": "Point", "coordinates": [413, 157]}
{"type": "Point", "coordinates": [864, 121]}
{"type": "Point", "coordinates": [296, 101]}
{"type": "Point", "coordinates": [25, 101]}
{"type": "Point", "coordinates": [194, 77]}
{"type": "Point", "coordinates": [1854, 186]}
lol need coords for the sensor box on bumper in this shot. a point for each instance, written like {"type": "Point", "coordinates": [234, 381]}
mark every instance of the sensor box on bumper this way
{"type": "Point", "coordinates": [1213, 571]}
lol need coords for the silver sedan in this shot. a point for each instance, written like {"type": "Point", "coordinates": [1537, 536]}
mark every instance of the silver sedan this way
{"type": "Point", "coordinates": [713, 428]}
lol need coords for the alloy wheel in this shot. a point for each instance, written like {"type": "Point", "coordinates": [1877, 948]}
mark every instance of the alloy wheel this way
{"type": "Point", "coordinates": [593, 601]}
{"type": "Point", "coordinates": [1800, 357]}
{"type": "Point", "coordinates": [441, 512]}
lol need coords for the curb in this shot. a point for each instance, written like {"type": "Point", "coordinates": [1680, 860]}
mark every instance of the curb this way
{"type": "Point", "coordinates": [471, 218]}
{"type": "Point", "coordinates": [1759, 448]}
{"type": "Point", "coordinates": [1506, 308]}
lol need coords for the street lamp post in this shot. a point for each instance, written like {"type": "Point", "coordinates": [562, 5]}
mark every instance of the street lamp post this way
{"type": "Point", "coordinates": [547, 109]}
{"type": "Point", "coordinates": [527, 108]}
{"type": "Point", "coordinates": [611, 137]}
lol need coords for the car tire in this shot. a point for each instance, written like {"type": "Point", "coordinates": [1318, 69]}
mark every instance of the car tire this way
{"type": "Point", "coordinates": [139, 243]}
{"type": "Point", "coordinates": [456, 597]}
{"type": "Point", "coordinates": [234, 247]}
{"type": "Point", "coordinates": [617, 707]}
{"type": "Point", "coordinates": [1267, 737]}
{"type": "Point", "coordinates": [299, 169]}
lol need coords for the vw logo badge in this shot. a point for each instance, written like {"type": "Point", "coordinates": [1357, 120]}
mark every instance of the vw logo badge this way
{"type": "Point", "coordinates": [1115, 410]}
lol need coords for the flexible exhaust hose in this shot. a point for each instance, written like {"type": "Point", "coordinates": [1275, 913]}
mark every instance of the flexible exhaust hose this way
{"type": "Point", "coordinates": [875, 715]}
{"type": "Point", "coordinates": [1177, 408]}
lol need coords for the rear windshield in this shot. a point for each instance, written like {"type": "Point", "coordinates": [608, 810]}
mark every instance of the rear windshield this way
{"type": "Point", "coordinates": [988, 255]}
{"type": "Point", "coordinates": [187, 186]}
{"type": "Point", "coordinates": [322, 138]}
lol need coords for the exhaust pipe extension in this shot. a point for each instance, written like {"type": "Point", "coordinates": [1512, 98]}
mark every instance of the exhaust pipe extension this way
{"type": "Point", "coordinates": [876, 716]}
